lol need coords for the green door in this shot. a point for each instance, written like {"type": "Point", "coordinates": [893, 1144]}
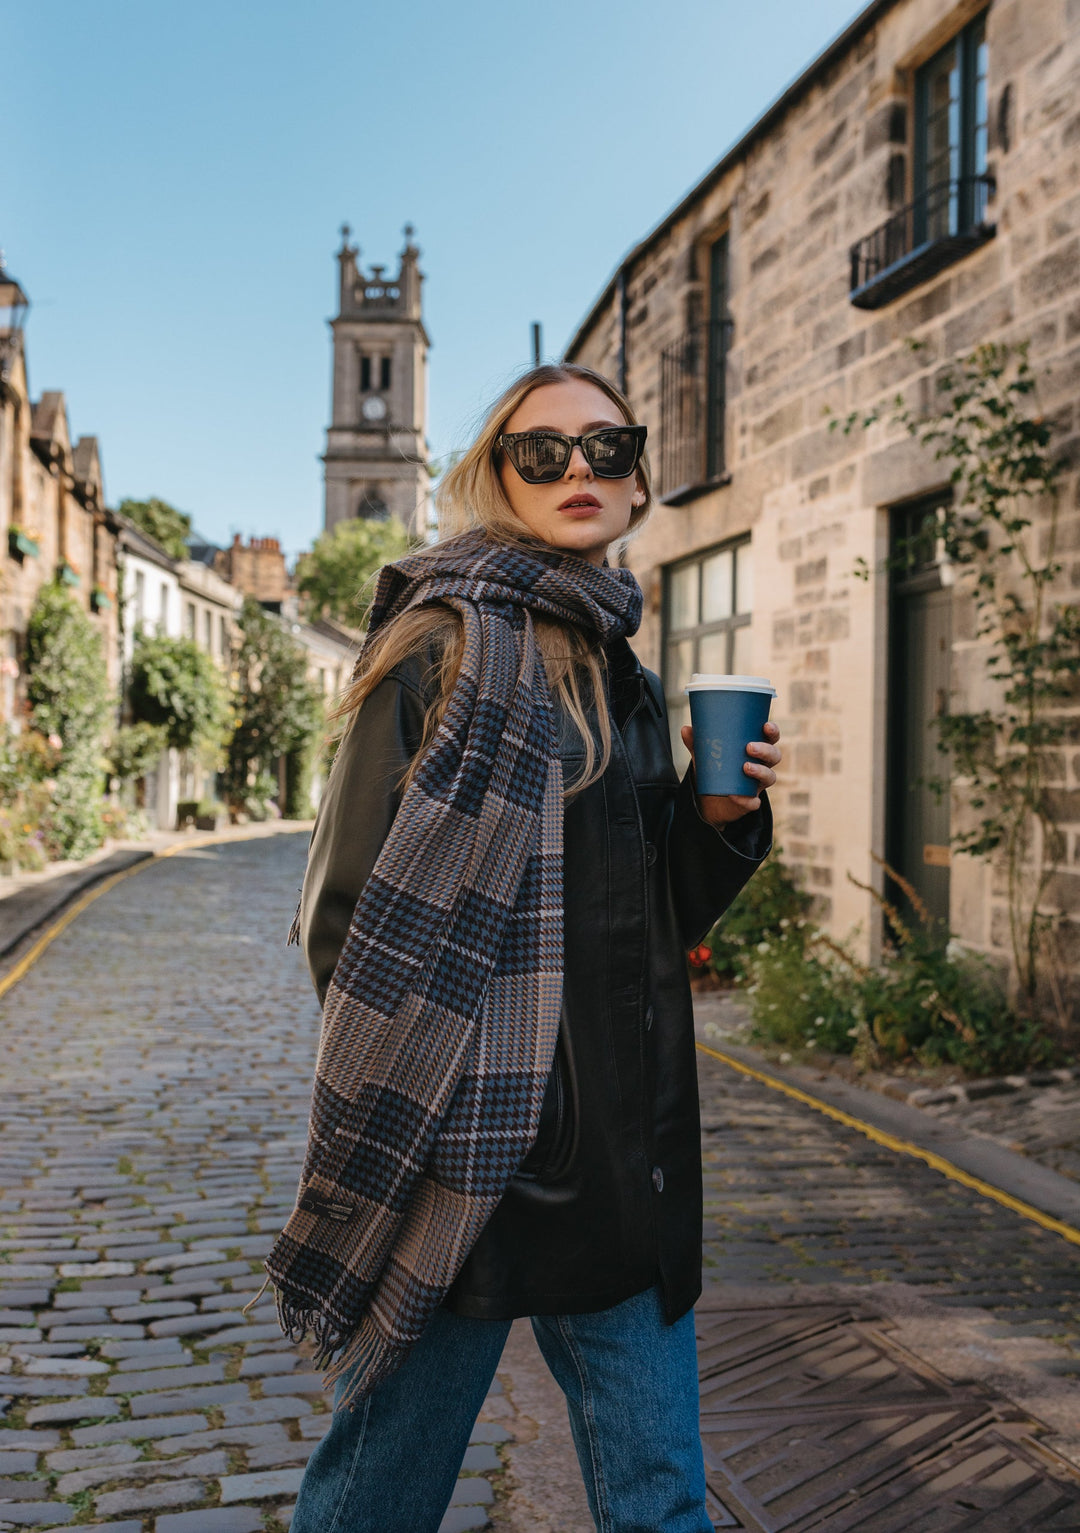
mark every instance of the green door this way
{"type": "Point", "coordinates": [917, 843]}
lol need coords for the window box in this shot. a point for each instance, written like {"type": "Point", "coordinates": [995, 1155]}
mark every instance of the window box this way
{"type": "Point", "coordinates": [99, 600]}
{"type": "Point", "coordinates": [21, 545]}
{"type": "Point", "coordinates": [67, 574]}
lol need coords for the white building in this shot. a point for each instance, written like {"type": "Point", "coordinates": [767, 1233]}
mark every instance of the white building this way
{"type": "Point", "coordinates": [178, 598]}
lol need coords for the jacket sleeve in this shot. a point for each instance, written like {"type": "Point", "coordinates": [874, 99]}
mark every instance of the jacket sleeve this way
{"type": "Point", "coordinates": [354, 818]}
{"type": "Point", "coordinates": [710, 864]}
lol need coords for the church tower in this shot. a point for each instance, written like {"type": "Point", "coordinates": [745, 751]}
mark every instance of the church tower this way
{"type": "Point", "coordinates": [376, 452]}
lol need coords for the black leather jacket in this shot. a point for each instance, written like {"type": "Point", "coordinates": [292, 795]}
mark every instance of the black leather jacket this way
{"type": "Point", "coordinates": [608, 1201]}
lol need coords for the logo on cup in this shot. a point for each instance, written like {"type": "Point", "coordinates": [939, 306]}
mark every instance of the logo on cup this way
{"type": "Point", "coordinates": [716, 751]}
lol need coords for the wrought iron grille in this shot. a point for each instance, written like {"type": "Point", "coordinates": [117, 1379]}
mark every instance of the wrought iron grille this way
{"type": "Point", "coordinates": [692, 397]}
{"type": "Point", "coordinates": [943, 223]}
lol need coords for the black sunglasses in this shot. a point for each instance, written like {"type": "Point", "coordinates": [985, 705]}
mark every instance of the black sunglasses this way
{"type": "Point", "coordinates": [540, 457]}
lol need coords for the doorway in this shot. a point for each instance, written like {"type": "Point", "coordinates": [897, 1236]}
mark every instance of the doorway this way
{"type": "Point", "coordinates": [920, 651]}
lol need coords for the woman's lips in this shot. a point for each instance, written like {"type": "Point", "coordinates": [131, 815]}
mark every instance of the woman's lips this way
{"type": "Point", "coordinates": [580, 505]}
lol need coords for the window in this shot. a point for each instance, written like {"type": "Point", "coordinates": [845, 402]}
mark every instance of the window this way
{"type": "Point", "coordinates": [189, 619]}
{"type": "Point", "coordinates": [208, 630]}
{"type": "Point", "coordinates": [223, 636]}
{"type": "Point", "coordinates": [707, 605]}
{"type": "Point", "coordinates": [365, 374]}
{"type": "Point", "coordinates": [163, 609]}
{"type": "Point", "coordinates": [951, 184]}
{"type": "Point", "coordinates": [693, 391]}
{"type": "Point", "coordinates": [140, 597]}
{"type": "Point", "coordinates": [384, 373]}
{"type": "Point", "coordinates": [716, 383]}
{"type": "Point", "coordinates": [951, 136]}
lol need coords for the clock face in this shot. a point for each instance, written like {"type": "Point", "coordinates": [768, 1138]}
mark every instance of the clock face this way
{"type": "Point", "coordinates": [373, 408]}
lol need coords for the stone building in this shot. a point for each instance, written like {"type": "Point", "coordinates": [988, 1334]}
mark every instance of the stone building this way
{"type": "Point", "coordinates": [257, 568]}
{"type": "Point", "coordinates": [376, 459]}
{"type": "Point", "coordinates": [53, 520]}
{"type": "Point", "coordinates": [920, 181]}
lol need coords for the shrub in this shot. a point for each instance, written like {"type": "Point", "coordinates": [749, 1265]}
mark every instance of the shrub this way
{"type": "Point", "coordinates": [277, 710]}
{"type": "Point", "coordinates": [134, 749]}
{"type": "Point", "coordinates": [177, 687]}
{"type": "Point", "coordinates": [68, 694]}
{"type": "Point", "coordinates": [769, 904]}
{"type": "Point", "coordinates": [928, 1000]}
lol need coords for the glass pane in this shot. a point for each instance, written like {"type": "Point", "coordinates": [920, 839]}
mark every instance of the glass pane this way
{"type": "Point", "coordinates": [683, 597]}
{"type": "Point", "coordinates": [744, 579]}
{"type": "Point", "coordinates": [677, 717]}
{"type": "Point", "coordinates": [742, 660]}
{"type": "Point", "coordinates": [716, 587]}
{"type": "Point", "coordinates": [680, 667]}
{"type": "Point", "coordinates": [713, 653]}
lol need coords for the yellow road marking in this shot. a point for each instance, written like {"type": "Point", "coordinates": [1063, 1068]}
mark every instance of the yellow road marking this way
{"type": "Point", "coordinates": [902, 1147]}
{"type": "Point", "coordinates": [15, 974]}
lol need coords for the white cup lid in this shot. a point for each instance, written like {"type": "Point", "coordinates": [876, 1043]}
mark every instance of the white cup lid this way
{"type": "Point", "coordinates": [700, 681]}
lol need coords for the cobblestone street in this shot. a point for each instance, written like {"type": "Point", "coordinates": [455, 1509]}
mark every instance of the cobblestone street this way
{"type": "Point", "coordinates": [158, 1064]}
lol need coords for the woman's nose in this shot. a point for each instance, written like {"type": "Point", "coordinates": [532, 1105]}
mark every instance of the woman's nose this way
{"type": "Point", "coordinates": [578, 464]}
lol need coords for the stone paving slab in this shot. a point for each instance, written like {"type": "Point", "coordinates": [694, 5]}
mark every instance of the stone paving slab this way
{"type": "Point", "coordinates": [151, 1134]}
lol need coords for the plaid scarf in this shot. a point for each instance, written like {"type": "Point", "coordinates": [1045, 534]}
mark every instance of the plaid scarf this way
{"type": "Point", "coordinates": [441, 1018]}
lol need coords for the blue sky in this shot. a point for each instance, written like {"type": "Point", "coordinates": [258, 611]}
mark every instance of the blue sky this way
{"type": "Point", "coordinates": [176, 175]}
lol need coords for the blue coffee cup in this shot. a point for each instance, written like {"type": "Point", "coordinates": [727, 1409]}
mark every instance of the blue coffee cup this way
{"type": "Point", "coordinates": [727, 712]}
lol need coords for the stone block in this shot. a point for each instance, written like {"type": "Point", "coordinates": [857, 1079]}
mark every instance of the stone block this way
{"type": "Point", "coordinates": [212, 1519]}
{"type": "Point", "coordinates": [90, 1409]}
{"type": "Point", "coordinates": [44, 1387]}
{"type": "Point", "coordinates": [473, 1490]}
{"type": "Point", "coordinates": [68, 1459]}
{"type": "Point", "coordinates": [18, 1463]}
{"type": "Point", "coordinates": [190, 1325]}
{"type": "Point", "coordinates": [481, 1458]}
{"type": "Point", "coordinates": [35, 1515]}
{"type": "Point", "coordinates": [294, 1384]}
{"type": "Point", "coordinates": [159, 1494]}
{"type": "Point", "coordinates": [182, 1400]}
{"type": "Point", "coordinates": [459, 1519]}
{"type": "Point", "coordinates": [251, 1412]}
{"type": "Point", "coordinates": [259, 1487]}
{"type": "Point", "coordinates": [165, 1378]}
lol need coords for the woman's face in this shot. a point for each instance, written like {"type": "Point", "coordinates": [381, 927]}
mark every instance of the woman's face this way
{"type": "Point", "coordinates": [578, 513]}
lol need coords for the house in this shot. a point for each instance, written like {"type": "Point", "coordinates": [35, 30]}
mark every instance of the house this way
{"type": "Point", "coordinates": [918, 182]}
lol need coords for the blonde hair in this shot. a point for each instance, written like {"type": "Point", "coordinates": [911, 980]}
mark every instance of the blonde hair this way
{"type": "Point", "coordinates": [471, 496]}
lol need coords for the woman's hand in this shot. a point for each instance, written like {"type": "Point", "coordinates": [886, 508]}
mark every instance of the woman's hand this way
{"type": "Point", "coordinates": [722, 809]}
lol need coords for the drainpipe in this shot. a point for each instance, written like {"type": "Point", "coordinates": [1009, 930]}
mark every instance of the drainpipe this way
{"type": "Point", "coordinates": [620, 358]}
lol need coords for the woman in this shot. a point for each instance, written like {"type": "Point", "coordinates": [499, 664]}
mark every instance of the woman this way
{"type": "Point", "coordinates": [503, 881]}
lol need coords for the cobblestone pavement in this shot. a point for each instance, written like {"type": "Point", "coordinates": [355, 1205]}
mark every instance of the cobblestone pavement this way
{"type": "Point", "coordinates": [157, 1071]}
{"type": "Point", "coordinates": [794, 1197]}
{"type": "Point", "coordinates": [156, 1077]}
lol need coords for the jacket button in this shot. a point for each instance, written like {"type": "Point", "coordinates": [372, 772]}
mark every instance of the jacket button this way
{"type": "Point", "coordinates": [648, 1019]}
{"type": "Point", "coordinates": [658, 1179]}
{"type": "Point", "coordinates": [650, 854]}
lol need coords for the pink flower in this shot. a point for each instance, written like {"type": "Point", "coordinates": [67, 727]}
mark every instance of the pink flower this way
{"type": "Point", "coordinates": [56, 742]}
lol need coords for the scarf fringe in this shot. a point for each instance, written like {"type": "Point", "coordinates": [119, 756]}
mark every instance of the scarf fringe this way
{"type": "Point", "coordinates": [362, 1352]}
{"type": "Point", "coordinates": [293, 939]}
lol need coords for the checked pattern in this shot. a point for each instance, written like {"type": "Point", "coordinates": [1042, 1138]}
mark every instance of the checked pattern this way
{"type": "Point", "coordinates": [440, 1022]}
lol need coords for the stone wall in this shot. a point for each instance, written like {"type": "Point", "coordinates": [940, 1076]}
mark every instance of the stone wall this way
{"type": "Point", "coordinates": [827, 170]}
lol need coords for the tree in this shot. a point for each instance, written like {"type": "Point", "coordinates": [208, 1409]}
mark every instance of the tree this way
{"type": "Point", "coordinates": [332, 578]}
{"type": "Point", "coordinates": [169, 526]}
{"type": "Point", "coordinates": [176, 685]}
{"type": "Point", "coordinates": [67, 688]}
{"type": "Point", "coordinates": [277, 709]}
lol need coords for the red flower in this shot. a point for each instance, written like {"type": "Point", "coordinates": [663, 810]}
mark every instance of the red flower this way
{"type": "Point", "coordinates": [699, 956]}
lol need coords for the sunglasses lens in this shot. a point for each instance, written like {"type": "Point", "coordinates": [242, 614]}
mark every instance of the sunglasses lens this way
{"type": "Point", "coordinates": [613, 454]}
{"type": "Point", "coordinates": [537, 457]}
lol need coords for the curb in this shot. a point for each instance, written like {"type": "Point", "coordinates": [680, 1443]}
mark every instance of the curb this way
{"type": "Point", "coordinates": [1004, 1175]}
{"type": "Point", "coordinates": [24, 912]}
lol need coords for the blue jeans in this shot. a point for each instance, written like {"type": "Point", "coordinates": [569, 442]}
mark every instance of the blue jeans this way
{"type": "Point", "coordinates": [631, 1386]}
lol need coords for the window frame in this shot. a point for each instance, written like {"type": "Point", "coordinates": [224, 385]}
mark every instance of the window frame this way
{"type": "Point", "coordinates": [695, 632]}
{"type": "Point", "coordinates": [965, 46]}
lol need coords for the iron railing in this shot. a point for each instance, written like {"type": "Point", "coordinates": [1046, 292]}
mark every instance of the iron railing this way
{"type": "Point", "coordinates": [692, 398]}
{"type": "Point", "coordinates": [942, 224]}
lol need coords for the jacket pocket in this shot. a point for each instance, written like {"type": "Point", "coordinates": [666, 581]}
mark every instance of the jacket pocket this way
{"type": "Point", "coordinates": [555, 1146]}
